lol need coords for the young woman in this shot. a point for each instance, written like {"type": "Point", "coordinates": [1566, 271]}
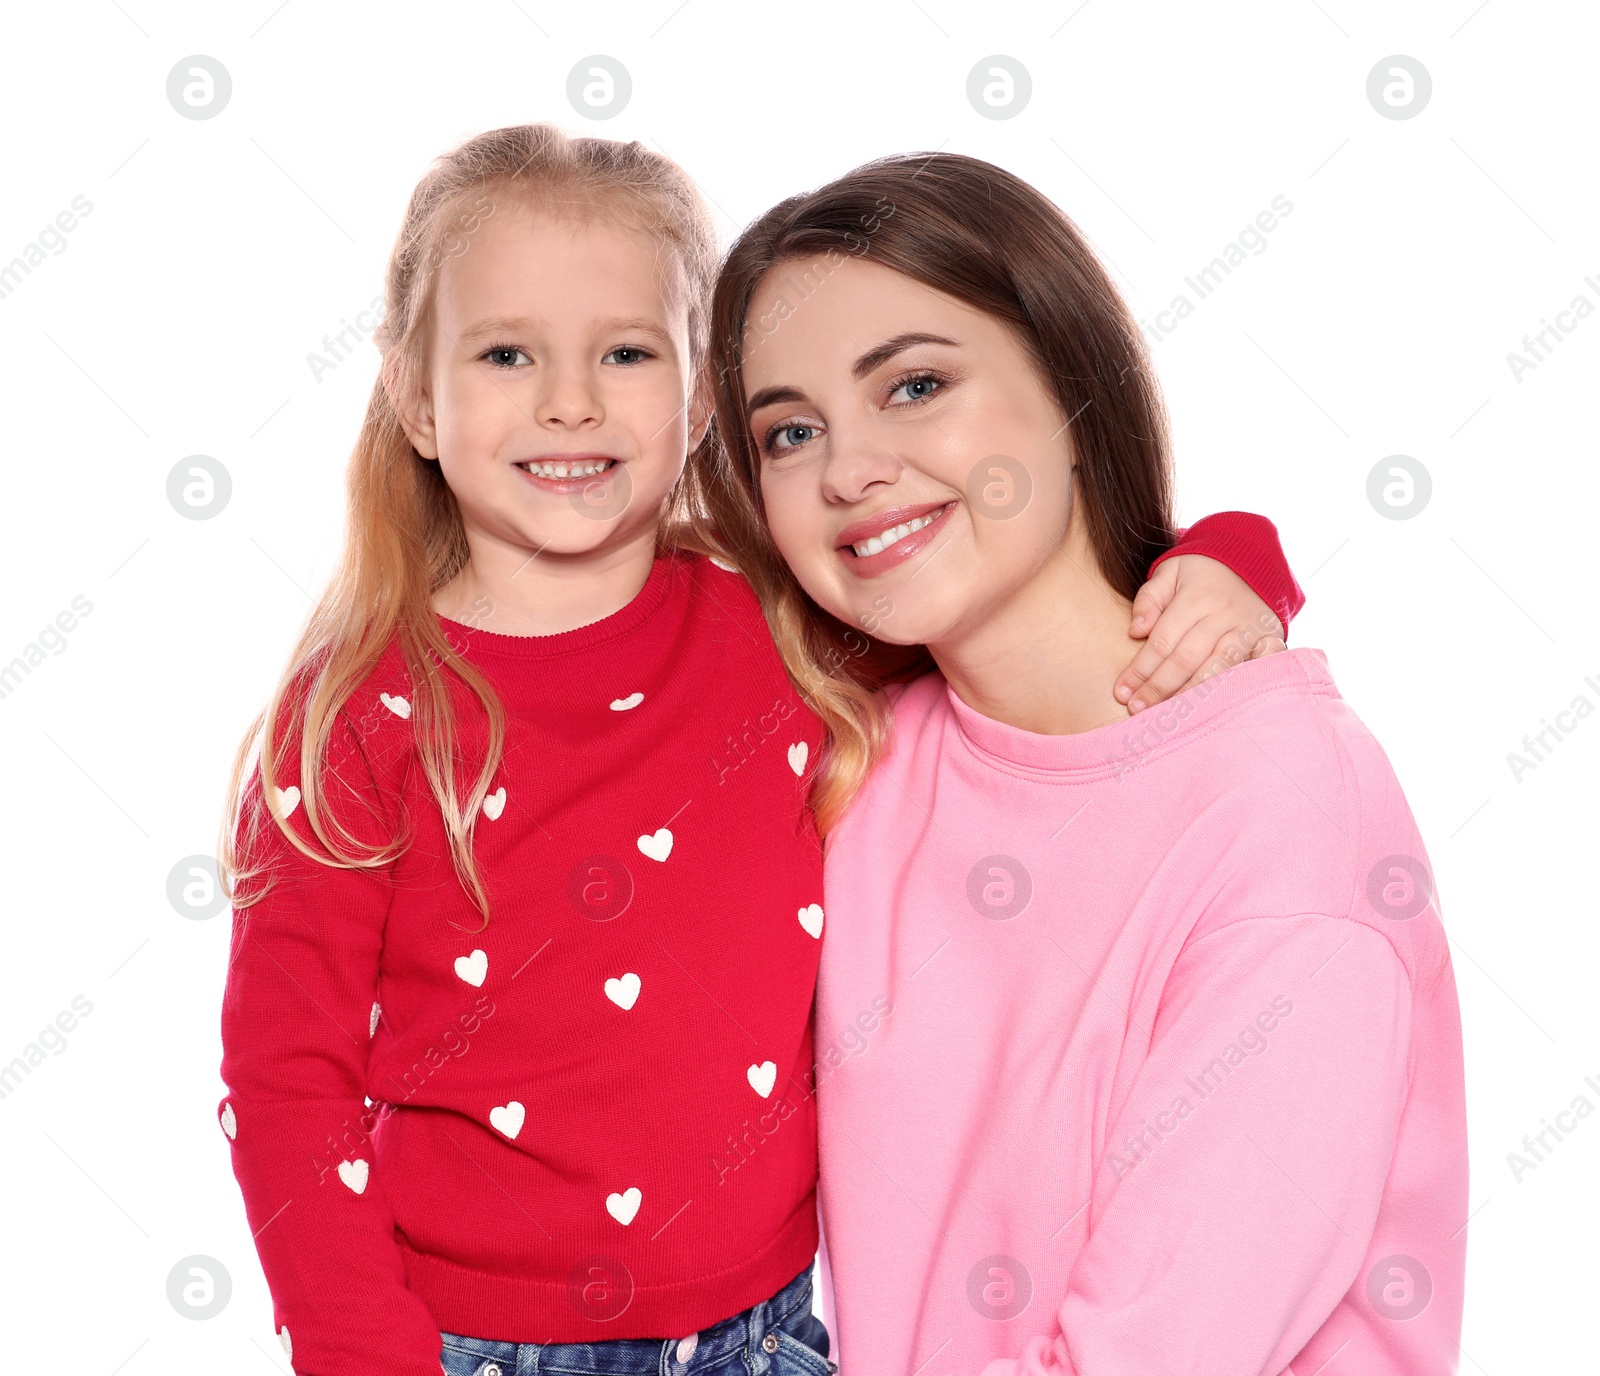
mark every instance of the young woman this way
{"type": "Point", "coordinates": [1154, 1058]}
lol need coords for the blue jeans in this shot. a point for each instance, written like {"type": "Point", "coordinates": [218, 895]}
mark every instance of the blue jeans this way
{"type": "Point", "coordinates": [778, 1337]}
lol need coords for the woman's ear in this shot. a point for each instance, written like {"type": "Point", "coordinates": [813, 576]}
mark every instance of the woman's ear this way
{"type": "Point", "coordinates": [414, 406]}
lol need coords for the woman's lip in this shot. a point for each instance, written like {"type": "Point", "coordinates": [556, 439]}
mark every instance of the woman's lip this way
{"type": "Point", "coordinates": [865, 529]}
{"type": "Point", "coordinates": [871, 565]}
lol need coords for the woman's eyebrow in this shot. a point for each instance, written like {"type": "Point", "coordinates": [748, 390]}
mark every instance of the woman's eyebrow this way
{"type": "Point", "coordinates": [880, 354]}
{"type": "Point", "coordinates": [769, 396]}
{"type": "Point", "coordinates": [874, 357]}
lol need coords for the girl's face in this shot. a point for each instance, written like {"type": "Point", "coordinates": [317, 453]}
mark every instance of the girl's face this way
{"type": "Point", "coordinates": [915, 471]}
{"type": "Point", "coordinates": [558, 398]}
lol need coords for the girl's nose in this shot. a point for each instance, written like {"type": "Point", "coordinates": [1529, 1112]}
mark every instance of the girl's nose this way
{"type": "Point", "coordinates": [569, 400]}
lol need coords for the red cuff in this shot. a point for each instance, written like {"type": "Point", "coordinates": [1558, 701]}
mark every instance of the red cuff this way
{"type": "Point", "coordinates": [1248, 544]}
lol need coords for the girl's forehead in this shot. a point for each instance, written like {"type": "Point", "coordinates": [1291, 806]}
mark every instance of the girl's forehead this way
{"type": "Point", "coordinates": [550, 261]}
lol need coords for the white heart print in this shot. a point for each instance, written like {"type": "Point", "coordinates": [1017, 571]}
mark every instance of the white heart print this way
{"type": "Point", "coordinates": [811, 918]}
{"type": "Point", "coordinates": [475, 968]}
{"type": "Point", "coordinates": [657, 847]}
{"type": "Point", "coordinates": [288, 799]}
{"type": "Point", "coordinates": [230, 1124]}
{"type": "Point", "coordinates": [628, 703]}
{"type": "Point", "coordinates": [624, 1206]}
{"type": "Point", "coordinates": [762, 1078]}
{"type": "Point", "coordinates": [286, 1342]}
{"type": "Point", "coordinates": [354, 1174]}
{"type": "Point", "coordinates": [372, 1021]}
{"type": "Point", "coordinates": [799, 752]}
{"type": "Point", "coordinates": [495, 804]}
{"type": "Point", "coordinates": [624, 992]}
{"type": "Point", "coordinates": [398, 705]}
{"type": "Point", "coordinates": [508, 1118]}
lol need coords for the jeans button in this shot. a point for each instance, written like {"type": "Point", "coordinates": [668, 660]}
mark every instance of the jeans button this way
{"type": "Point", "coordinates": [769, 1343]}
{"type": "Point", "coordinates": [493, 1369]}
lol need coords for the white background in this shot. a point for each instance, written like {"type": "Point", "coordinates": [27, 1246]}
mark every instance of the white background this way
{"type": "Point", "coordinates": [218, 253]}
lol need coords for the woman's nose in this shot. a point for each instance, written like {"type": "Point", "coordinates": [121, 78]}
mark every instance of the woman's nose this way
{"type": "Point", "coordinates": [856, 462]}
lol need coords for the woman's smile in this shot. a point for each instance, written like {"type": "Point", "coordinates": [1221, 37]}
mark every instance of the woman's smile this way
{"type": "Point", "coordinates": [879, 543]}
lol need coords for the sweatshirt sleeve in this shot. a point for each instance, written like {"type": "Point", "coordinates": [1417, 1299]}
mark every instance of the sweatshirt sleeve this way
{"type": "Point", "coordinates": [1249, 545]}
{"type": "Point", "coordinates": [299, 1010]}
{"type": "Point", "coordinates": [1235, 1198]}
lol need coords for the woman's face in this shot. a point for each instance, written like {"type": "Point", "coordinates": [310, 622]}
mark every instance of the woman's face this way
{"type": "Point", "coordinates": [915, 471]}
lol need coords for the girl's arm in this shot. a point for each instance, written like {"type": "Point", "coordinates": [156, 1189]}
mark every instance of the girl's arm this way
{"type": "Point", "coordinates": [298, 1018]}
{"type": "Point", "coordinates": [1223, 594]}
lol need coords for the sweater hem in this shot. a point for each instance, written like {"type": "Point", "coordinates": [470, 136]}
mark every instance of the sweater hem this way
{"type": "Point", "coordinates": [537, 1309]}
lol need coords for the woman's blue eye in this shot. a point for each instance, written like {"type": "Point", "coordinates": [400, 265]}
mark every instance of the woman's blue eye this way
{"type": "Point", "coordinates": [916, 388]}
{"type": "Point", "coordinates": [637, 355]}
{"type": "Point", "coordinates": [504, 356]}
{"type": "Point", "coordinates": [792, 436]}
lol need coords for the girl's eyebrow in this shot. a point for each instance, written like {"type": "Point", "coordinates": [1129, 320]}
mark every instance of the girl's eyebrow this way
{"type": "Point", "coordinates": [514, 324]}
{"type": "Point", "coordinates": [494, 325]}
{"type": "Point", "coordinates": [638, 325]}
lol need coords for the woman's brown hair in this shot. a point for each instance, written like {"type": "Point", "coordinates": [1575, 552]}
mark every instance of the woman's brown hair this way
{"type": "Point", "coordinates": [986, 238]}
{"type": "Point", "coordinates": [404, 535]}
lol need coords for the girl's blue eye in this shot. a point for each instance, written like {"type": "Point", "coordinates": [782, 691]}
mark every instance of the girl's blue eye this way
{"type": "Point", "coordinates": [616, 355]}
{"type": "Point", "coordinates": [792, 436]}
{"type": "Point", "coordinates": [505, 356]}
{"type": "Point", "coordinates": [916, 388]}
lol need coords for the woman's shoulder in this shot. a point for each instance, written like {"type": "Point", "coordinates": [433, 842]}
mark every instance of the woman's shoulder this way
{"type": "Point", "coordinates": [1316, 818]}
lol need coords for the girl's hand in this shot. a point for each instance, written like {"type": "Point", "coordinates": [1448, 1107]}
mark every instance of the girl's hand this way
{"type": "Point", "coordinates": [1196, 617]}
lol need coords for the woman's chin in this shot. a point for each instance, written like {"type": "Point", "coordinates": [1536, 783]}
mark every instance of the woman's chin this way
{"type": "Point", "coordinates": [898, 624]}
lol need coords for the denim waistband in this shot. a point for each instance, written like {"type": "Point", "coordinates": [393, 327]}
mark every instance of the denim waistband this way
{"type": "Point", "coordinates": [723, 1342]}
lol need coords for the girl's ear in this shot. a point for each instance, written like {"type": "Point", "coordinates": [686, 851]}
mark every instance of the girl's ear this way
{"type": "Point", "coordinates": [415, 409]}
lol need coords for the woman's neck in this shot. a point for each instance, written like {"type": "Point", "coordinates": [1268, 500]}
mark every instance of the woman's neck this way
{"type": "Point", "coordinates": [1045, 660]}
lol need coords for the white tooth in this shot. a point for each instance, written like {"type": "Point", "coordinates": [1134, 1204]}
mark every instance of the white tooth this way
{"type": "Point", "coordinates": [889, 537]}
{"type": "Point", "coordinates": [874, 545]}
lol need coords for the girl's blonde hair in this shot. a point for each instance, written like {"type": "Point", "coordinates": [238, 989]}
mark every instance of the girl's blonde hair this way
{"type": "Point", "coordinates": [404, 537]}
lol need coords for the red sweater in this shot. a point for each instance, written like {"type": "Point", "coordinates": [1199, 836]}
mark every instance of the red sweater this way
{"type": "Point", "coordinates": [592, 1119]}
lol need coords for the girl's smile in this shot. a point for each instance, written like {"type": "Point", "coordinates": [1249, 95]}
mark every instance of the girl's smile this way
{"type": "Point", "coordinates": [569, 473]}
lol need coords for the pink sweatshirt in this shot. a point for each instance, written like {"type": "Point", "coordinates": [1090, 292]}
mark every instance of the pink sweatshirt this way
{"type": "Point", "coordinates": [1143, 1050]}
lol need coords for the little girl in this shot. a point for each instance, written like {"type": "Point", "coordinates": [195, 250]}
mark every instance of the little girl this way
{"type": "Point", "coordinates": [589, 1124]}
